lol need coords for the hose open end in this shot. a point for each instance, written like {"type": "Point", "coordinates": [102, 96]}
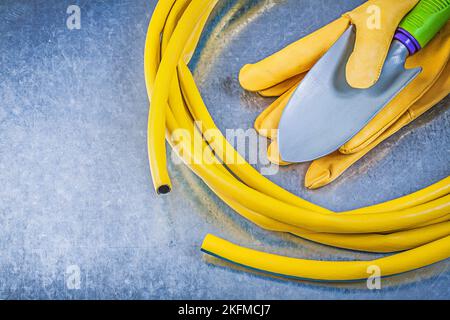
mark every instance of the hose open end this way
{"type": "Point", "coordinates": [164, 189]}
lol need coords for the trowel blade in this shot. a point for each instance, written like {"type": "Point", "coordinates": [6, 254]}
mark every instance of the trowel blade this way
{"type": "Point", "coordinates": [325, 112]}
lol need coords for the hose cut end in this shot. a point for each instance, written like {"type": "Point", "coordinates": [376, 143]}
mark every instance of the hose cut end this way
{"type": "Point", "coordinates": [164, 189]}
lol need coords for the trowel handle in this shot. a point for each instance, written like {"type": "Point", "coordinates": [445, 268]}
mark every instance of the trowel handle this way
{"type": "Point", "coordinates": [422, 23]}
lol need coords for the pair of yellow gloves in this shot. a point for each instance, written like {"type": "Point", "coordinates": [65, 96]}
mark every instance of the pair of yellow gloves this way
{"type": "Point", "coordinates": [279, 75]}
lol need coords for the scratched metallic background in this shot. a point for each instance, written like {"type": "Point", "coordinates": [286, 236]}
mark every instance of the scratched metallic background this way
{"type": "Point", "coordinates": [75, 188]}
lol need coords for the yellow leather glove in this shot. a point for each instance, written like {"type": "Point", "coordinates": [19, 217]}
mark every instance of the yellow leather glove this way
{"type": "Point", "coordinates": [432, 59]}
{"type": "Point", "coordinates": [408, 105]}
{"type": "Point", "coordinates": [325, 170]}
{"type": "Point", "coordinates": [376, 22]}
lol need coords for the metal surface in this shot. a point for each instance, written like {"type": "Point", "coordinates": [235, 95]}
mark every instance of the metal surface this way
{"type": "Point", "coordinates": [75, 187]}
{"type": "Point", "coordinates": [325, 112]}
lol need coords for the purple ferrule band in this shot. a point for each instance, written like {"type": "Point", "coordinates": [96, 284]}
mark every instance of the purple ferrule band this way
{"type": "Point", "coordinates": [408, 40]}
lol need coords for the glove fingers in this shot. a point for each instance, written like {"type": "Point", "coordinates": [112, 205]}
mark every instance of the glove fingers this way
{"type": "Point", "coordinates": [433, 60]}
{"type": "Point", "coordinates": [376, 22]}
{"type": "Point", "coordinates": [273, 155]}
{"type": "Point", "coordinates": [294, 59]}
{"type": "Point", "coordinates": [433, 96]}
{"type": "Point", "coordinates": [325, 170]}
{"type": "Point", "coordinates": [280, 88]}
{"type": "Point", "coordinates": [260, 125]}
{"type": "Point", "coordinates": [266, 124]}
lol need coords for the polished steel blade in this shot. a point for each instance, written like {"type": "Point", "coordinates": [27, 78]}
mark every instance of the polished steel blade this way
{"type": "Point", "coordinates": [325, 112]}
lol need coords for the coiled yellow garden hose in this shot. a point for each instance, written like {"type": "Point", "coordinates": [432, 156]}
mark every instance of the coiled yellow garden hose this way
{"type": "Point", "coordinates": [418, 223]}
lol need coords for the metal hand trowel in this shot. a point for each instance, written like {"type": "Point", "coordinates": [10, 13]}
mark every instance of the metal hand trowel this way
{"type": "Point", "coordinates": [325, 112]}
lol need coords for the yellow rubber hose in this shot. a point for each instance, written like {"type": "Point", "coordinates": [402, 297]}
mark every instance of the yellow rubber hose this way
{"type": "Point", "coordinates": [327, 270]}
{"type": "Point", "coordinates": [419, 222]}
{"type": "Point", "coordinates": [160, 92]}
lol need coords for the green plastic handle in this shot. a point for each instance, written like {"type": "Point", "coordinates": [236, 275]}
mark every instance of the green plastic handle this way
{"type": "Point", "coordinates": [426, 19]}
